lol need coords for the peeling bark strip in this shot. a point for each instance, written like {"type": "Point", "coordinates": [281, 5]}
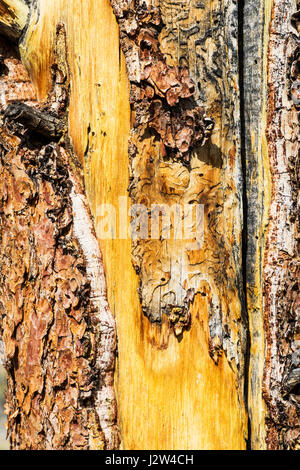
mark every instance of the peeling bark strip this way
{"type": "Point", "coordinates": [281, 269]}
{"type": "Point", "coordinates": [58, 331]}
{"type": "Point", "coordinates": [169, 163]}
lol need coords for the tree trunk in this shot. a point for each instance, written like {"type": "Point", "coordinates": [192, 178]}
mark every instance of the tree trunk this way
{"type": "Point", "coordinates": [199, 101]}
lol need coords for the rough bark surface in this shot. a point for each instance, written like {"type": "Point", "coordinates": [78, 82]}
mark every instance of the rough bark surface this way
{"type": "Point", "coordinates": [150, 355]}
{"type": "Point", "coordinates": [281, 385]}
{"type": "Point", "coordinates": [257, 180]}
{"type": "Point", "coordinates": [56, 325]}
{"type": "Point", "coordinates": [13, 18]}
{"type": "Point", "coordinates": [166, 161]}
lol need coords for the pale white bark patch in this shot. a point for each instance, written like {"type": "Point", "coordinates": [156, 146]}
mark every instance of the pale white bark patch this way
{"type": "Point", "coordinates": [85, 234]}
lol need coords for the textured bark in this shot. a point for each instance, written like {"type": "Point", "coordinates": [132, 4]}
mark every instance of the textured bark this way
{"type": "Point", "coordinates": [44, 124]}
{"type": "Point", "coordinates": [281, 385]}
{"type": "Point", "coordinates": [57, 328]}
{"type": "Point", "coordinates": [200, 101]}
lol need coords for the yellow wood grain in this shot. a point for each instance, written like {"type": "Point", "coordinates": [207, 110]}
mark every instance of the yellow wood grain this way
{"type": "Point", "coordinates": [173, 398]}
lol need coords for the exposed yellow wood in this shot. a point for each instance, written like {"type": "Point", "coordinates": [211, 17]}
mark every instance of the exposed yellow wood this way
{"type": "Point", "coordinates": [168, 398]}
{"type": "Point", "coordinates": [13, 17]}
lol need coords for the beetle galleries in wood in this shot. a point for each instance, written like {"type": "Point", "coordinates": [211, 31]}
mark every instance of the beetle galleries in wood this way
{"type": "Point", "coordinates": [163, 106]}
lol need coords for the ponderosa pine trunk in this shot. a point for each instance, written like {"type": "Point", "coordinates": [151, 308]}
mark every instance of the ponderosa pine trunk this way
{"type": "Point", "coordinates": [156, 342]}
